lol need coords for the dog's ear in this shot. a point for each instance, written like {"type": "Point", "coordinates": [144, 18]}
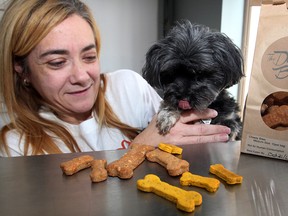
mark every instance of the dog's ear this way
{"type": "Point", "coordinates": [151, 68]}
{"type": "Point", "coordinates": [229, 58]}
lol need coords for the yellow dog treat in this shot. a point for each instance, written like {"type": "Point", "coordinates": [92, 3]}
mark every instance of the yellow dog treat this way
{"type": "Point", "coordinates": [170, 148]}
{"type": "Point", "coordinates": [76, 164]}
{"type": "Point", "coordinates": [185, 200]}
{"type": "Point", "coordinates": [228, 176]}
{"type": "Point", "coordinates": [189, 179]}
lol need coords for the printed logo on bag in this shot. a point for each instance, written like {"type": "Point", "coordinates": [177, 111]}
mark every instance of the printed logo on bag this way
{"type": "Point", "coordinates": [275, 63]}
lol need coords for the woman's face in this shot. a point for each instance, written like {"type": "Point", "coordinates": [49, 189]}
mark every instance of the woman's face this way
{"type": "Point", "coordinates": [64, 69]}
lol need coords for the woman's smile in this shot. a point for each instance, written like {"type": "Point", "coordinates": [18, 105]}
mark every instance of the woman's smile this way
{"type": "Point", "coordinates": [80, 92]}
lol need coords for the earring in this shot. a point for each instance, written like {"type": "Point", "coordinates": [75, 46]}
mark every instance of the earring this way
{"type": "Point", "coordinates": [26, 82]}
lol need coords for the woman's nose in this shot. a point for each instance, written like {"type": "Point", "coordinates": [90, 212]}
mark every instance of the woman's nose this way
{"type": "Point", "coordinates": [79, 73]}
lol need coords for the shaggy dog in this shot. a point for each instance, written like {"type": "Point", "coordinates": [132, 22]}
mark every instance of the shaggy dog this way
{"type": "Point", "coordinates": [193, 66]}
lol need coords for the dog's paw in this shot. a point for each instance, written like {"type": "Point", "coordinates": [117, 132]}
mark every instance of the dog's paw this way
{"type": "Point", "coordinates": [163, 128]}
{"type": "Point", "coordinates": [166, 120]}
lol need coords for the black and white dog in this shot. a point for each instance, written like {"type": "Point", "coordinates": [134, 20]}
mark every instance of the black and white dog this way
{"type": "Point", "coordinates": [193, 66]}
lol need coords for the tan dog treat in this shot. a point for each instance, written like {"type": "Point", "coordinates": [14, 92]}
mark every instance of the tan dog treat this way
{"type": "Point", "coordinates": [174, 165]}
{"type": "Point", "coordinates": [277, 117]}
{"type": "Point", "coordinates": [99, 172]}
{"type": "Point", "coordinates": [189, 179]}
{"type": "Point", "coordinates": [280, 97]}
{"type": "Point", "coordinates": [269, 101]}
{"type": "Point", "coordinates": [123, 168]}
{"type": "Point", "coordinates": [185, 200]}
{"type": "Point", "coordinates": [272, 109]}
{"type": "Point", "coordinates": [225, 174]}
{"type": "Point", "coordinates": [170, 148]}
{"type": "Point", "coordinates": [75, 165]}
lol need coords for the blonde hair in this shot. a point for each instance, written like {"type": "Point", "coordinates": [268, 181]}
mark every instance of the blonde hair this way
{"type": "Point", "coordinates": [24, 24]}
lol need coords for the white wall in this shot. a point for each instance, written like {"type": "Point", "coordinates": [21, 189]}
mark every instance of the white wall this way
{"type": "Point", "coordinates": [128, 28]}
{"type": "Point", "coordinates": [232, 26]}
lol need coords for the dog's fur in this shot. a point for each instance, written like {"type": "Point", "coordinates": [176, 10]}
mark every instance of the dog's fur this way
{"type": "Point", "coordinates": [192, 66]}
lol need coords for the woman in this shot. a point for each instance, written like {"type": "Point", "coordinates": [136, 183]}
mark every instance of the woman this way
{"type": "Point", "coordinates": [57, 100]}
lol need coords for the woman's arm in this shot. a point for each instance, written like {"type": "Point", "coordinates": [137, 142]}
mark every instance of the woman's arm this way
{"type": "Point", "coordinates": [184, 133]}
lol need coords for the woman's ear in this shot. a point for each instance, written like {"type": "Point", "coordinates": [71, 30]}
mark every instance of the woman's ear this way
{"type": "Point", "coordinates": [22, 73]}
{"type": "Point", "coordinates": [18, 68]}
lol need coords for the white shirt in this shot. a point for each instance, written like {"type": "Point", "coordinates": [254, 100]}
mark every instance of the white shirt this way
{"type": "Point", "coordinates": [132, 99]}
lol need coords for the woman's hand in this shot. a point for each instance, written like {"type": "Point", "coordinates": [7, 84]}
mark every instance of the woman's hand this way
{"type": "Point", "coordinates": [183, 133]}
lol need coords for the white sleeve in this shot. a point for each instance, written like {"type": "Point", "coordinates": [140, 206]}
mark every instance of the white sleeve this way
{"type": "Point", "coordinates": [15, 145]}
{"type": "Point", "coordinates": [133, 100]}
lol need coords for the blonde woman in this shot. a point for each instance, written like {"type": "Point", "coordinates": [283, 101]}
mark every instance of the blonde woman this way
{"type": "Point", "coordinates": [57, 100]}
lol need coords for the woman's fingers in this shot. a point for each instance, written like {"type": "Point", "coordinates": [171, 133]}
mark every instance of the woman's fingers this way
{"type": "Point", "coordinates": [203, 139]}
{"type": "Point", "coordinates": [198, 133]}
{"type": "Point", "coordinates": [193, 115]}
{"type": "Point", "coordinates": [198, 129]}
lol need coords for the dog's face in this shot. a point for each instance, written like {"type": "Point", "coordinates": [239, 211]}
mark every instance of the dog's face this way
{"type": "Point", "coordinates": [192, 65]}
{"type": "Point", "coordinates": [189, 90]}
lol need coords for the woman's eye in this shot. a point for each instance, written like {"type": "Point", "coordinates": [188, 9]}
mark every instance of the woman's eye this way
{"type": "Point", "coordinates": [56, 64]}
{"type": "Point", "coordinates": [90, 58]}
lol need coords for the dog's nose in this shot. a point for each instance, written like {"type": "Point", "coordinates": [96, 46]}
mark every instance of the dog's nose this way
{"type": "Point", "coordinates": [184, 104]}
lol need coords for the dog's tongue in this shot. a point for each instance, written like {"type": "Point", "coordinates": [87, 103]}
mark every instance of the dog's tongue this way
{"type": "Point", "coordinates": [184, 104]}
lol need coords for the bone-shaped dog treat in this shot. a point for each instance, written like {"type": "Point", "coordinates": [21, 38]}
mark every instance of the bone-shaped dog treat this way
{"type": "Point", "coordinates": [185, 200]}
{"type": "Point", "coordinates": [73, 166]}
{"type": "Point", "coordinates": [189, 179]}
{"type": "Point", "coordinates": [225, 174]}
{"type": "Point", "coordinates": [123, 168]}
{"type": "Point", "coordinates": [170, 148]}
{"type": "Point", "coordinates": [99, 172]}
{"type": "Point", "coordinates": [277, 117]}
{"type": "Point", "coordinates": [174, 165]}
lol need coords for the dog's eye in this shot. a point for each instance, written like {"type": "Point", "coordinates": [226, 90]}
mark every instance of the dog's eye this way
{"type": "Point", "coordinates": [166, 78]}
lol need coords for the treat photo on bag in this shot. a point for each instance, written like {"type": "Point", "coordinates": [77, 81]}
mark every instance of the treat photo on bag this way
{"type": "Point", "coordinates": [193, 66]}
{"type": "Point", "coordinates": [274, 110]}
